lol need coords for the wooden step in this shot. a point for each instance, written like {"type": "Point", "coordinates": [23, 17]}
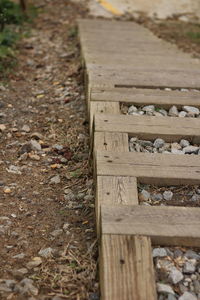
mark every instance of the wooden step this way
{"type": "Point", "coordinates": [171, 129]}
{"type": "Point", "coordinates": [127, 271]}
{"type": "Point", "coordinates": [150, 168]}
{"type": "Point", "coordinates": [140, 97]}
{"type": "Point", "coordinates": [165, 225]}
{"type": "Point", "coordinates": [137, 68]}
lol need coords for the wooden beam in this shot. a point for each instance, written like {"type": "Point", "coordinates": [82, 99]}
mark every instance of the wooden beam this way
{"type": "Point", "coordinates": [101, 108]}
{"type": "Point", "coordinates": [149, 127]}
{"type": "Point", "coordinates": [126, 271]}
{"type": "Point", "coordinates": [166, 225]}
{"type": "Point", "coordinates": [150, 168]}
{"type": "Point", "coordinates": [161, 98]}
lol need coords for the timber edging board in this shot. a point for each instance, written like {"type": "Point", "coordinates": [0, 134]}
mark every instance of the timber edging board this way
{"type": "Point", "coordinates": [134, 74]}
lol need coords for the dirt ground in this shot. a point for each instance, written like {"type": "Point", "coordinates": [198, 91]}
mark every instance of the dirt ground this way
{"type": "Point", "coordinates": [46, 182]}
{"type": "Point", "coordinates": [47, 192]}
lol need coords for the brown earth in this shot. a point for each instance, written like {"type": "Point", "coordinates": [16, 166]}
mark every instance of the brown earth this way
{"type": "Point", "coordinates": [46, 93]}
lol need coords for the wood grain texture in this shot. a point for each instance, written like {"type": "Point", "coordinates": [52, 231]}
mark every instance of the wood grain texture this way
{"type": "Point", "coordinates": [102, 108]}
{"type": "Point", "coordinates": [148, 127]}
{"type": "Point", "coordinates": [109, 141]}
{"type": "Point", "coordinates": [126, 268]}
{"type": "Point", "coordinates": [165, 225]}
{"type": "Point", "coordinates": [115, 190]}
{"type": "Point", "coordinates": [140, 97]}
{"type": "Point", "coordinates": [159, 169]}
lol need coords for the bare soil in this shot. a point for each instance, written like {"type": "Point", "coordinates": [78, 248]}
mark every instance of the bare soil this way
{"type": "Point", "coordinates": [45, 92]}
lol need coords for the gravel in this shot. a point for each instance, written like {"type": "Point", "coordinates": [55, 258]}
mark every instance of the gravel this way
{"type": "Point", "coordinates": [152, 110]}
{"type": "Point", "coordinates": [172, 281]}
{"type": "Point", "coordinates": [170, 195]}
{"type": "Point", "coordinates": [160, 146]}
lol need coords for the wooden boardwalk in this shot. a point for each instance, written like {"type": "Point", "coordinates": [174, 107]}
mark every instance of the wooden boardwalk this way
{"type": "Point", "coordinates": [125, 63]}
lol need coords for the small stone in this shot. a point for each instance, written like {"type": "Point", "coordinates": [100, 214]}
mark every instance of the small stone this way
{"type": "Point", "coordinates": [144, 195]}
{"type": "Point", "coordinates": [159, 252]}
{"type": "Point", "coordinates": [47, 252]}
{"type": "Point", "coordinates": [195, 197]}
{"type": "Point", "coordinates": [14, 169]}
{"type": "Point", "coordinates": [26, 288]}
{"type": "Point", "coordinates": [187, 296]}
{"type": "Point", "coordinates": [26, 148]}
{"type": "Point", "coordinates": [35, 146]}
{"type": "Point", "coordinates": [184, 143]}
{"type": "Point", "coordinates": [191, 254]}
{"type": "Point", "coordinates": [182, 114]}
{"type": "Point", "coordinates": [168, 195]}
{"type": "Point", "coordinates": [176, 151]}
{"type": "Point", "coordinates": [164, 288]}
{"type": "Point", "coordinates": [69, 195]}
{"type": "Point", "coordinates": [34, 263]}
{"type": "Point", "coordinates": [178, 253]}
{"type": "Point", "coordinates": [2, 127]}
{"type": "Point", "coordinates": [163, 112]}
{"type": "Point", "coordinates": [19, 256]}
{"type": "Point", "coordinates": [173, 111]}
{"type": "Point", "coordinates": [197, 286]}
{"type": "Point", "coordinates": [7, 190]}
{"type": "Point", "coordinates": [57, 147]}
{"type": "Point", "coordinates": [26, 128]}
{"type": "Point", "coordinates": [66, 227]}
{"type": "Point", "coordinates": [132, 109]}
{"type": "Point", "coordinates": [145, 143]}
{"type": "Point", "coordinates": [149, 108]}
{"type": "Point", "coordinates": [191, 110]}
{"type": "Point", "coordinates": [158, 143]}
{"type": "Point", "coordinates": [19, 274]}
{"type": "Point", "coordinates": [157, 197]}
{"type": "Point", "coordinates": [189, 267]}
{"type": "Point", "coordinates": [175, 275]}
{"type": "Point", "coordinates": [34, 156]}
{"type": "Point", "coordinates": [176, 146]}
{"type": "Point", "coordinates": [56, 232]}
{"type": "Point", "coordinates": [55, 179]}
{"type": "Point", "coordinates": [191, 149]}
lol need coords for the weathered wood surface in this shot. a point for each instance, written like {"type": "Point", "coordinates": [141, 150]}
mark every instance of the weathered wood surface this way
{"type": "Point", "coordinates": [126, 271]}
{"type": "Point", "coordinates": [146, 96]}
{"type": "Point", "coordinates": [102, 107]}
{"type": "Point", "coordinates": [149, 127]}
{"type": "Point", "coordinates": [137, 67]}
{"type": "Point", "coordinates": [146, 78]}
{"type": "Point", "coordinates": [109, 141]}
{"type": "Point", "coordinates": [159, 169]}
{"type": "Point", "coordinates": [165, 225]}
{"type": "Point", "coordinates": [117, 190]}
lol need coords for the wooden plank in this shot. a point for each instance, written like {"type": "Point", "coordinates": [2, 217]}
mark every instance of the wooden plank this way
{"type": "Point", "coordinates": [107, 141]}
{"type": "Point", "coordinates": [148, 127]}
{"type": "Point", "coordinates": [150, 168]}
{"type": "Point", "coordinates": [143, 62]}
{"type": "Point", "coordinates": [127, 271]}
{"type": "Point", "coordinates": [116, 190]}
{"type": "Point", "coordinates": [165, 225]}
{"type": "Point", "coordinates": [149, 78]}
{"type": "Point", "coordinates": [141, 97]}
{"type": "Point", "coordinates": [102, 107]}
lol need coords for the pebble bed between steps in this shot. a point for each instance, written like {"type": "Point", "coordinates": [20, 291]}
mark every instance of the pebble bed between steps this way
{"type": "Point", "coordinates": [177, 269]}
{"type": "Point", "coordinates": [169, 195]}
{"type": "Point", "coordinates": [177, 272]}
{"type": "Point", "coordinates": [160, 146]}
{"type": "Point", "coordinates": [152, 110]}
